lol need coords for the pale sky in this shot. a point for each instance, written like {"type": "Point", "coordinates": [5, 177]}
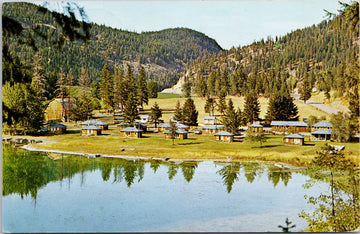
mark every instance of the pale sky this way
{"type": "Point", "coordinates": [230, 23]}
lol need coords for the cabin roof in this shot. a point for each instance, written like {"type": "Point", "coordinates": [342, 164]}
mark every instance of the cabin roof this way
{"type": "Point", "coordinates": [57, 125]}
{"type": "Point", "coordinates": [91, 127]}
{"type": "Point", "coordinates": [323, 124]}
{"type": "Point", "coordinates": [213, 127]}
{"type": "Point", "coordinates": [131, 129]}
{"type": "Point", "coordinates": [289, 123]}
{"type": "Point", "coordinates": [256, 126]}
{"type": "Point", "coordinates": [93, 122]}
{"type": "Point", "coordinates": [178, 131]}
{"type": "Point", "coordinates": [181, 126]}
{"type": "Point", "coordinates": [296, 136]}
{"type": "Point", "coordinates": [144, 116]}
{"type": "Point", "coordinates": [223, 133]}
{"type": "Point", "coordinates": [166, 125]}
{"type": "Point", "coordinates": [322, 132]}
{"type": "Point", "coordinates": [210, 117]}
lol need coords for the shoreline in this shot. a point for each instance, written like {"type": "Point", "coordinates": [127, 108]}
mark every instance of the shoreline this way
{"type": "Point", "coordinates": [129, 157]}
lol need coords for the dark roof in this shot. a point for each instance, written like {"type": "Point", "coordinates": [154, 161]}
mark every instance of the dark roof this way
{"type": "Point", "coordinates": [213, 127]}
{"type": "Point", "coordinates": [57, 125]}
{"type": "Point", "coordinates": [91, 127]}
{"type": "Point", "coordinates": [323, 124]}
{"type": "Point", "coordinates": [131, 129]}
{"type": "Point", "coordinates": [296, 136]}
{"type": "Point", "coordinates": [321, 132]}
{"type": "Point", "coordinates": [289, 123]}
{"type": "Point", "coordinates": [223, 133]}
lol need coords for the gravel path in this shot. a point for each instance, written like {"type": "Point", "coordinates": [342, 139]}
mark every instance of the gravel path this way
{"type": "Point", "coordinates": [317, 105]}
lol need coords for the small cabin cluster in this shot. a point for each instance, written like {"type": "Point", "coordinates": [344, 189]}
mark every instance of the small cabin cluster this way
{"type": "Point", "coordinates": [100, 124]}
{"type": "Point", "coordinates": [91, 130]}
{"type": "Point", "coordinates": [164, 127]}
{"type": "Point", "coordinates": [180, 134]}
{"type": "Point", "coordinates": [256, 128]}
{"type": "Point", "coordinates": [321, 131]}
{"type": "Point", "coordinates": [224, 136]}
{"type": "Point", "coordinates": [209, 120]}
{"type": "Point", "coordinates": [212, 129]}
{"type": "Point", "coordinates": [131, 132]}
{"type": "Point", "coordinates": [285, 126]}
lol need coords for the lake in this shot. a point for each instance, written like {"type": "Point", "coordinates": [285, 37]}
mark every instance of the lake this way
{"type": "Point", "coordinates": [64, 193]}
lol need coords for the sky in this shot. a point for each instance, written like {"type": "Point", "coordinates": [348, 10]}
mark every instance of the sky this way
{"type": "Point", "coordinates": [230, 23]}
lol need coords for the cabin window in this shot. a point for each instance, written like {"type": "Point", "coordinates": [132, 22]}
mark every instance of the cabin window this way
{"type": "Point", "coordinates": [127, 133]}
{"type": "Point", "coordinates": [287, 140]}
{"type": "Point", "coordinates": [297, 141]}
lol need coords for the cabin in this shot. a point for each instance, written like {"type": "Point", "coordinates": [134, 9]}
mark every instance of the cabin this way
{"type": "Point", "coordinates": [121, 126]}
{"type": "Point", "coordinates": [322, 125]}
{"type": "Point", "coordinates": [57, 128]}
{"type": "Point", "coordinates": [321, 135]}
{"type": "Point", "coordinates": [91, 130]}
{"type": "Point", "coordinates": [284, 126]}
{"type": "Point", "coordinates": [145, 119]}
{"type": "Point", "coordinates": [224, 136]}
{"type": "Point", "coordinates": [212, 129]}
{"type": "Point", "coordinates": [293, 139]}
{"type": "Point", "coordinates": [57, 109]}
{"type": "Point", "coordinates": [180, 134]}
{"type": "Point", "coordinates": [100, 124]}
{"type": "Point", "coordinates": [209, 120]}
{"type": "Point", "coordinates": [256, 128]}
{"type": "Point", "coordinates": [131, 132]}
{"type": "Point", "coordinates": [140, 126]}
{"type": "Point", "coordinates": [164, 127]}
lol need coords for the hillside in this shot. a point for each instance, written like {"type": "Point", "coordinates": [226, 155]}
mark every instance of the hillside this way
{"type": "Point", "coordinates": [164, 54]}
{"type": "Point", "coordinates": [325, 55]}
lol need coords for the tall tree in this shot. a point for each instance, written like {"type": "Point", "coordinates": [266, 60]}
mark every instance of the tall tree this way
{"type": "Point", "coordinates": [189, 113]}
{"type": "Point", "coordinates": [152, 87]}
{"type": "Point", "coordinates": [131, 111]}
{"type": "Point", "coordinates": [305, 90]}
{"type": "Point", "coordinates": [201, 87]}
{"type": "Point", "coordinates": [221, 104]}
{"type": "Point", "coordinates": [178, 116]}
{"type": "Point", "coordinates": [118, 87]}
{"type": "Point", "coordinates": [186, 89]}
{"type": "Point", "coordinates": [107, 87]}
{"type": "Point", "coordinates": [281, 107]}
{"type": "Point", "coordinates": [230, 120]}
{"type": "Point", "coordinates": [210, 105]}
{"type": "Point", "coordinates": [142, 91]}
{"type": "Point", "coordinates": [83, 107]}
{"type": "Point", "coordinates": [172, 131]}
{"type": "Point", "coordinates": [252, 108]}
{"type": "Point", "coordinates": [156, 113]}
{"type": "Point", "coordinates": [84, 80]}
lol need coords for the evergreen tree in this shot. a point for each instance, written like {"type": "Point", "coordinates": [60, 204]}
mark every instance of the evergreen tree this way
{"type": "Point", "coordinates": [172, 131]}
{"type": "Point", "coordinates": [186, 89]}
{"type": "Point", "coordinates": [83, 107]}
{"type": "Point", "coordinates": [211, 84]}
{"type": "Point", "coordinates": [156, 113]}
{"type": "Point", "coordinates": [252, 108]}
{"type": "Point", "coordinates": [178, 116]}
{"type": "Point", "coordinates": [95, 89]}
{"type": "Point", "coordinates": [305, 90]}
{"type": "Point", "coordinates": [84, 80]}
{"type": "Point", "coordinates": [129, 87]}
{"type": "Point", "coordinates": [142, 91]}
{"type": "Point", "coordinates": [39, 74]}
{"type": "Point", "coordinates": [230, 120]}
{"type": "Point", "coordinates": [118, 87]}
{"type": "Point", "coordinates": [107, 87]}
{"type": "Point", "coordinates": [281, 107]}
{"type": "Point", "coordinates": [130, 110]}
{"type": "Point", "coordinates": [189, 113]}
{"type": "Point", "coordinates": [201, 87]}
{"type": "Point", "coordinates": [221, 105]}
{"type": "Point", "coordinates": [210, 105]}
{"type": "Point", "coordinates": [152, 87]}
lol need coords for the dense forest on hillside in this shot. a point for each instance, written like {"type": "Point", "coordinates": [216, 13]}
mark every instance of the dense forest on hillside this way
{"type": "Point", "coordinates": [164, 53]}
{"type": "Point", "coordinates": [324, 56]}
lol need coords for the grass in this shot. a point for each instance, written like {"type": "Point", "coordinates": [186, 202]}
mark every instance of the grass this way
{"type": "Point", "coordinates": [197, 147]}
{"type": "Point", "coordinates": [167, 95]}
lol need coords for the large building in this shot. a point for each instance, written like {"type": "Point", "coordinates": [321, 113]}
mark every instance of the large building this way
{"type": "Point", "coordinates": [284, 126]}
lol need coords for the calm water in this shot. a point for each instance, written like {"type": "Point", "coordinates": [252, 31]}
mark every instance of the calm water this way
{"type": "Point", "coordinates": [77, 194]}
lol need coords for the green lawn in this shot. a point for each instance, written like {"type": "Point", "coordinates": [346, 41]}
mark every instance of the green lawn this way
{"type": "Point", "coordinates": [167, 95]}
{"type": "Point", "coordinates": [196, 147]}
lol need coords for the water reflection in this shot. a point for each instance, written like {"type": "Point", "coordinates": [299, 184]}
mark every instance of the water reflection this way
{"type": "Point", "coordinates": [25, 172]}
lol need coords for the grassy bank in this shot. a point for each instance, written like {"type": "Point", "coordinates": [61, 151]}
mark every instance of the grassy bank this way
{"type": "Point", "coordinates": [197, 147]}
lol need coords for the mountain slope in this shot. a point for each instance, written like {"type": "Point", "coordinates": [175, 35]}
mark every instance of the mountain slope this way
{"type": "Point", "coordinates": [164, 53]}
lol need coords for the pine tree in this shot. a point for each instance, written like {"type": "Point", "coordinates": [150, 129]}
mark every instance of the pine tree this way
{"type": "Point", "coordinates": [305, 90]}
{"type": "Point", "coordinates": [172, 131]}
{"type": "Point", "coordinates": [129, 84]}
{"type": "Point", "coordinates": [118, 87]}
{"type": "Point", "coordinates": [189, 113]}
{"type": "Point", "coordinates": [83, 107]}
{"type": "Point", "coordinates": [178, 116]}
{"type": "Point", "coordinates": [252, 108]}
{"type": "Point", "coordinates": [130, 111]}
{"type": "Point", "coordinates": [221, 105]}
{"type": "Point", "coordinates": [201, 87]}
{"type": "Point", "coordinates": [281, 107]}
{"type": "Point", "coordinates": [84, 80]}
{"type": "Point", "coordinates": [107, 87]}
{"type": "Point", "coordinates": [156, 113]}
{"type": "Point", "coordinates": [230, 120]}
{"type": "Point", "coordinates": [210, 105]}
{"type": "Point", "coordinates": [142, 91]}
{"type": "Point", "coordinates": [152, 87]}
{"type": "Point", "coordinates": [186, 89]}
{"type": "Point", "coordinates": [211, 84]}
